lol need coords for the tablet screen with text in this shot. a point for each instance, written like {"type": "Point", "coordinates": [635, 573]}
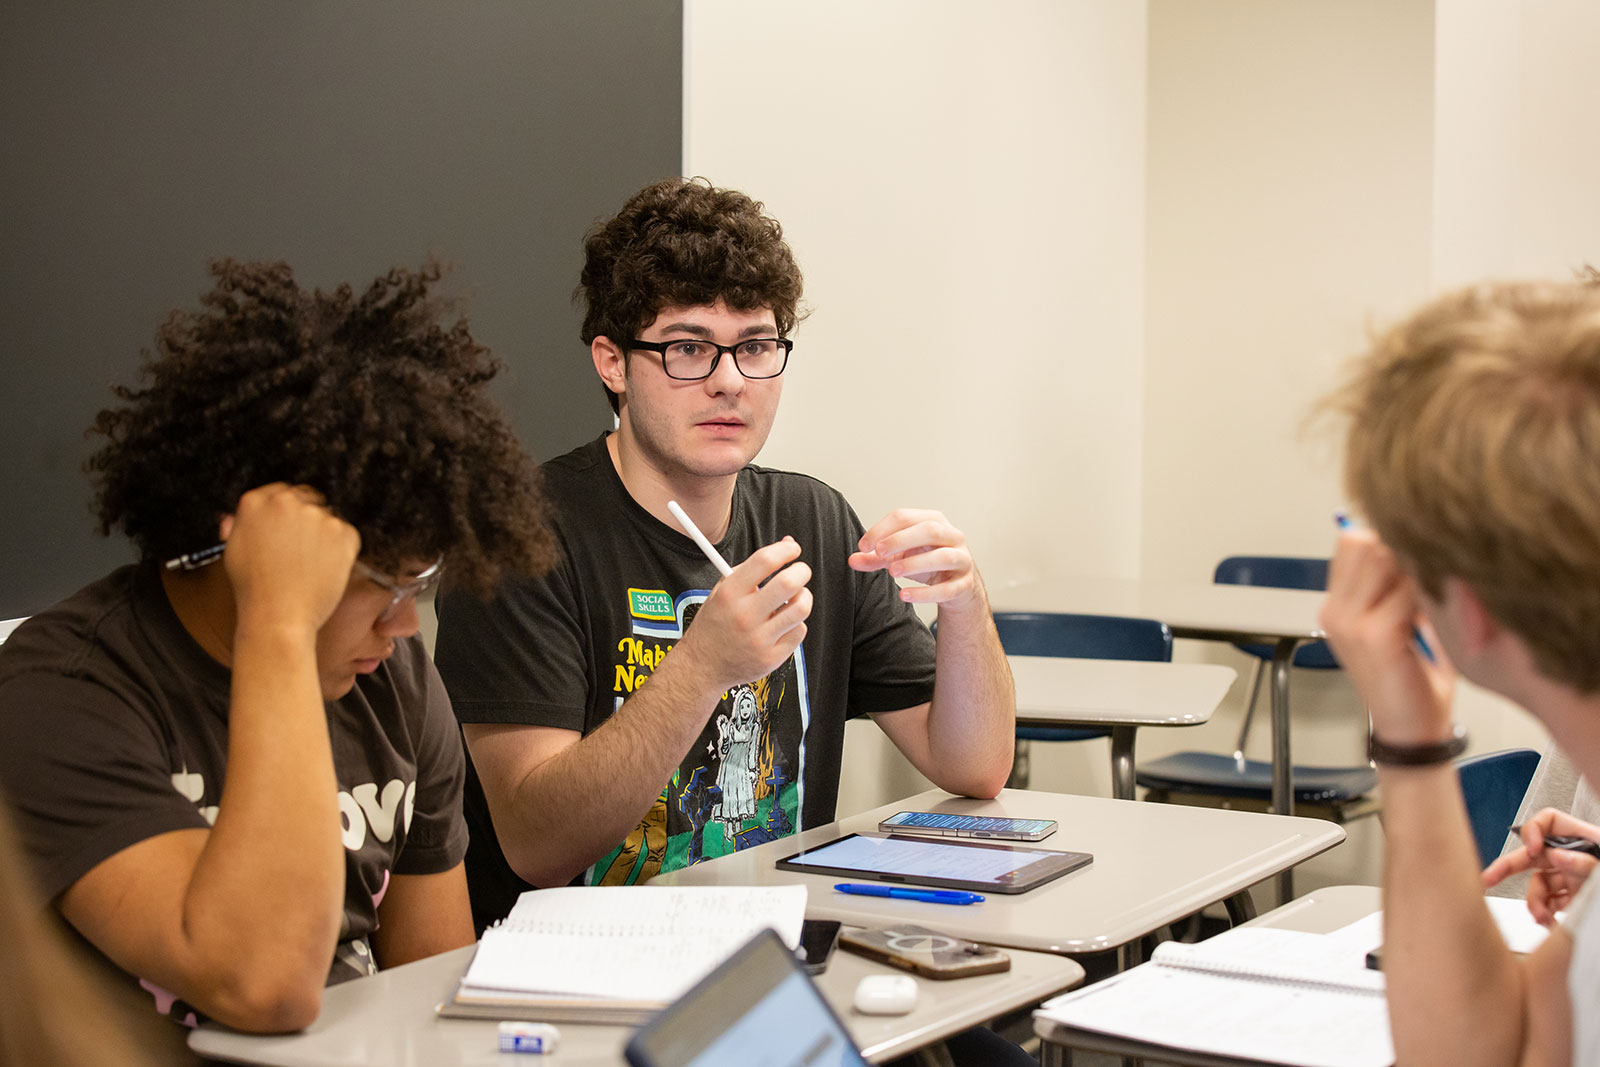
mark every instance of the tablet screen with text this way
{"type": "Point", "coordinates": [982, 867]}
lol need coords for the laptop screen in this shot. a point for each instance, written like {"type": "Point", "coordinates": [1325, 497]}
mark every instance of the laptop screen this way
{"type": "Point", "coordinates": [757, 1008]}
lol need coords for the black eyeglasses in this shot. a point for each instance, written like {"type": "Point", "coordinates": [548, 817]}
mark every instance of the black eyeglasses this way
{"type": "Point", "coordinates": [693, 360]}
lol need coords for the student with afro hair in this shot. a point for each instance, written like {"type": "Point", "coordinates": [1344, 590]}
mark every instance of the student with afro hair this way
{"type": "Point", "coordinates": [233, 765]}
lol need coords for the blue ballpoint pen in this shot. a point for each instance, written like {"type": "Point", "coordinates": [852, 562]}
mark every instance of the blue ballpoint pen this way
{"type": "Point", "coordinates": [930, 896]}
{"type": "Point", "coordinates": [1345, 522]}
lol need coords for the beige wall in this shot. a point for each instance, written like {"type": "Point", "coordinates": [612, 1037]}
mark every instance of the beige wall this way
{"type": "Point", "coordinates": [1079, 270]}
{"type": "Point", "coordinates": [1289, 188]}
{"type": "Point", "coordinates": [963, 186]}
{"type": "Point", "coordinates": [1554, 206]}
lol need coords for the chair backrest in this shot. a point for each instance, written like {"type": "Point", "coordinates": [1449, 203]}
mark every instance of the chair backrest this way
{"type": "Point", "coordinates": [1073, 636]}
{"type": "Point", "coordinates": [7, 625]}
{"type": "Point", "coordinates": [1279, 572]}
{"type": "Point", "coordinates": [1493, 785]}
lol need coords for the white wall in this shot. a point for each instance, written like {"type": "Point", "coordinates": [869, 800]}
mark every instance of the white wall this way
{"type": "Point", "coordinates": [963, 186]}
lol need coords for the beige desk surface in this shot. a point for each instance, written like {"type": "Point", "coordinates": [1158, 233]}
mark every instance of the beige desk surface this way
{"type": "Point", "coordinates": [1325, 910]}
{"type": "Point", "coordinates": [1054, 691]}
{"type": "Point", "coordinates": [1191, 609]}
{"type": "Point", "coordinates": [1318, 912]}
{"type": "Point", "coordinates": [387, 1020]}
{"type": "Point", "coordinates": [1154, 864]}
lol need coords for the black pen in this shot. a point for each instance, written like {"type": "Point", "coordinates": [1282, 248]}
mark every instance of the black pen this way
{"type": "Point", "coordinates": [1567, 844]}
{"type": "Point", "coordinates": [193, 561]}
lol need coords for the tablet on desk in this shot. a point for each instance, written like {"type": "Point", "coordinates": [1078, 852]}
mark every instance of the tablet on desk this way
{"type": "Point", "coordinates": [757, 1007]}
{"type": "Point", "coordinates": [982, 867]}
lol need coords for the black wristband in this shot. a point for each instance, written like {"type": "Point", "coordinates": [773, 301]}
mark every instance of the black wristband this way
{"type": "Point", "coordinates": [1417, 755]}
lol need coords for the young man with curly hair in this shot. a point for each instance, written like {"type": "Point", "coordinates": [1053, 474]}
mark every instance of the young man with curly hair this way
{"type": "Point", "coordinates": [634, 712]}
{"type": "Point", "coordinates": [1474, 453]}
{"type": "Point", "coordinates": [234, 766]}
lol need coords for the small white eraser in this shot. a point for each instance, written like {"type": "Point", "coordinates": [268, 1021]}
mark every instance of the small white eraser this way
{"type": "Point", "coordinates": [886, 994]}
{"type": "Point", "coordinates": [528, 1037]}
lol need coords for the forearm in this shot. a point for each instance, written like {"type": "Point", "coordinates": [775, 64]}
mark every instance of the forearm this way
{"type": "Point", "coordinates": [570, 810]}
{"type": "Point", "coordinates": [423, 915]}
{"type": "Point", "coordinates": [262, 912]}
{"type": "Point", "coordinates": [972, 718]}
{"type": "Point", "coordinates": [1443, 956]}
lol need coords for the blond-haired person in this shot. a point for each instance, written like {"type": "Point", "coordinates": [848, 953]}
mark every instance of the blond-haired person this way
{"type": "Point", "coordinates": [1474, 455]}
{"type": "Point", "coordinates": [56, 1010]}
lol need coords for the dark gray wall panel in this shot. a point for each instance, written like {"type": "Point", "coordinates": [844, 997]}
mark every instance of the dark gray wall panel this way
{"type": "Point", "coordinates": [141, 139]}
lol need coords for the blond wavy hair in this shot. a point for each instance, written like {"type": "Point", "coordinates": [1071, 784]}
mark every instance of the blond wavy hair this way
{"type": "Point", "coordinates": [1474, 452]}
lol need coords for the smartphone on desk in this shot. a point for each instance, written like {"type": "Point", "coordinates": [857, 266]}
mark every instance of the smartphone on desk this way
{"type": "Point", "coordinates": [926, 952]}
{"type": "Point", "coordinates": [938, 824]}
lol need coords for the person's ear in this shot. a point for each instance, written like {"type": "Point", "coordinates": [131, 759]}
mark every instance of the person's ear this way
{"type": "Point", "coordinates": [611, 363]}
{"type": "Point", "coordinates": [1477, 628]}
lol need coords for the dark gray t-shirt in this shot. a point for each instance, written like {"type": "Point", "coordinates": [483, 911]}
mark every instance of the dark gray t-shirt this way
{"type": "Point", "coordinates": [566, 650]}
{"type": "Point", "coordinates": [114, 728]}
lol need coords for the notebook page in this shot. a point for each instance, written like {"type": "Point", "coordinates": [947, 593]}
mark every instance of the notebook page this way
{"type": "Point", "coordinates": [644, 943]}
{"type": "Point", "coordinates": [1276, 954]}
{"type": "Point", "coordinates": [1234, 1016]}
{"type": "Point", "coordinates": [1510, 914]}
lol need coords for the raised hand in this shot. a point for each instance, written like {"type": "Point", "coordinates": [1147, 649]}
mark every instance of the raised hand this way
{"type": "Point", "coordinates": [1370, 616]}
{"type": "Point", "coordinates": [925, 547]}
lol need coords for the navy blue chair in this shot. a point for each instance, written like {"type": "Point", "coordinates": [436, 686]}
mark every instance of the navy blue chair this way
{"type": "Point", "coordinates": [1278, 572]}
{"type": "Point", "coordinates": [1073, 636]}
{"type": "Point", "coordinates": [1338, 792]}
{"type": "Point", "coordinates": [1493, 786]}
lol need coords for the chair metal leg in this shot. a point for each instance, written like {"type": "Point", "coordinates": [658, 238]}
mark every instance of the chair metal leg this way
{"type": "Point", "coordinates": [1282, 764]}
{"type": "Point", "coordinates": [1122, 784]}
{"type": "Point", "coordinates": [1249, 713]}
{"type": "Point", "coordinates": [1019, 765]}
{"type": "Point", "coordinates": [1241, 907]}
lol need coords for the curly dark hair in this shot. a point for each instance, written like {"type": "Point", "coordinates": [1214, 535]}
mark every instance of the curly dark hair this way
{"type": "Point", "coordinates": [682, 242]}
{"type": "Point", "coordinates": [372, 399]}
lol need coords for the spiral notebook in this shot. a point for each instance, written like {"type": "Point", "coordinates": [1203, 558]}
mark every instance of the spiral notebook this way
{"type": "Point", "coordinates": [614, 954]}
{"type": "Point", "coordinates": [1270, 995]}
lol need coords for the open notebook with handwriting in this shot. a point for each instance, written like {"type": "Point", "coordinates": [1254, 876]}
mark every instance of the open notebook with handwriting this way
{"type": "Point", "coordinates": [614, 954]}
{"type": "Point", "coordinates": [1255, 993]}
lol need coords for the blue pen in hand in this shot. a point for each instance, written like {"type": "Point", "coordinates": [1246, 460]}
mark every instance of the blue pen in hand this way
{"type": "Point", "coordinates": [928, 896]}
{"type": "Point", "coordinates": [1345, 522]}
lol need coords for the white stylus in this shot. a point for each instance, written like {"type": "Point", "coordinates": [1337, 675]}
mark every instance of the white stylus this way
{"type": "Point", "coordinates": [699, 538]}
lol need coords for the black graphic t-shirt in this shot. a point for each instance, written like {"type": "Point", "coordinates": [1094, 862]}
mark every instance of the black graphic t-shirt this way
{"type": "Point", "coordinates": [566, 651]}
{"type": "Point", "coordinates": [114, 728]}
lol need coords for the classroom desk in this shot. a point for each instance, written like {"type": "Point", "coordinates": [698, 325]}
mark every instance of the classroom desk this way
{"type": "Point", "coordinates": [388, 1020]}
{"type": "Point", "coordinates": [1319, 912]}
{"type": "Point", "coordinates": [1120, 694]}
{"type": "Point", "coordinates": [1153, 865]}
{"type": "Point", "coordinates": [1282, 618]}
